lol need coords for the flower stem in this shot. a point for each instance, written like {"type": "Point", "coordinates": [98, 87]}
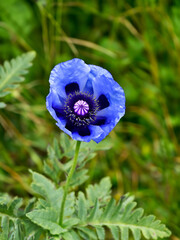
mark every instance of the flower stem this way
{"type": "Point", "coordinates": [68, 182]}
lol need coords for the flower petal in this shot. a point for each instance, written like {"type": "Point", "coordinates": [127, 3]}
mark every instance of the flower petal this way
{"type": "Point", "coordinates": [111, 98]}
{"type": "Point", "coordinates": [95, 133]}
{"type": "Point", "coordinates": [72, 71]}
{"type": "Point", "coordinates": [54, 103]}
{"type": "Point", "coordinates": [76, 76]}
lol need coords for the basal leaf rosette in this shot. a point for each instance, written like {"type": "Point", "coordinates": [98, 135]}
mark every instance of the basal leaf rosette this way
{"type": "Point", "coordinates": [84, 100]}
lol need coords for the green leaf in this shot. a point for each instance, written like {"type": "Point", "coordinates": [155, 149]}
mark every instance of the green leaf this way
{"type": "Point", "coordinates": [136, 233]}
{"type": "Point", "coordinates": [5, 228]}
{"type": "Point", "coordinates": [74, 235]}
{"type": "Point", "coordinates": [33, 231]}
{"type": "Point", "coordinates": [124, 232]}
{"type": "Point", "coordinates": [70, 222]}
{"type": "Point", "coordinates": [52, 166]}
{"type": "Point", "coordinates": [101, 190]}
{"type": "Point", "coordinates": [115, 232]}
{"type": "Point", "coordinates": [100, 232]}
{"type": "Point", "coordinates": [82, 206]}
{"type": "Point", "coordinates": [11, 73]}
{"type": "Point", "coordinates": [47, 219]}
{"type": "Point", "coordinates": [89, 232]}
{"type": "Point", "coordinates": [15, 205]}
{"type": "Point", "coordinates": [71, 235]}
{"type": "Point", "coordinates": [19, 231]}
{"type": "Point", "coordinates": [109, 209]}
{"type": "Point", "coordinates": [119, 218]}
{"type": "Point", "coordinates": [11, 208]}
{"type": "Point", "coordinates": [45, 188]}
{"type": "Point", "coordinates": [94, 212]}
{"type": "Point", "coordinates": [79, 177]}
{"type": "Point", "coordinates": [29, 205]}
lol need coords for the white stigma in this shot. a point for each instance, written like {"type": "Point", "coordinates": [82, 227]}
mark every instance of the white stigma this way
{"type": "Point", "coordinates": [81, 107]}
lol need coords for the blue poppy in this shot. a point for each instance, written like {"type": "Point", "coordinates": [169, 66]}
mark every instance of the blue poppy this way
{"type": "Point", "coordinates": [84, 100]}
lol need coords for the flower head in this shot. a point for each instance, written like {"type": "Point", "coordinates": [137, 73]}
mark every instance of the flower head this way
{"type": "Point", "coordinates": [85, 100]}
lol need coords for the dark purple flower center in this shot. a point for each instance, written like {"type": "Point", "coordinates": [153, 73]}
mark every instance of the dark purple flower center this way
{"type": "Point", "coordinates": [81, 108]}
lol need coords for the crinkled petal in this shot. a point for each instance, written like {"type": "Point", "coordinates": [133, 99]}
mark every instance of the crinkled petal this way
{"type": "Point", "coordinates": [75, 75]}
{"type": "Point", "coordinates": [88, 88]}
{"type": "Point", "coordinates": [72, 71]}
{"type": "Point", "coordinates": [61, 124]}
{"type": "Point", "coordinates": [95, 131]}
{"type": "Point", "coordinates": [54, 102]}
{"type": "Point", "coordinates": [105, 85]}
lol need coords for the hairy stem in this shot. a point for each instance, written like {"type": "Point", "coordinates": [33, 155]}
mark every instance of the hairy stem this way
{"type": "Point", "coordinates": [68, 182]}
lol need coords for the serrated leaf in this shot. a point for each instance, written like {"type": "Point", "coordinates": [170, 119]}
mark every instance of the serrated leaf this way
{"type": "Point", "coordinates": [30, 205]}
{"type": "Point", "coordinates": [75, 235]}
{"type": "Point", "coordinates": [136, 233]}
{"type": "Point", "coordinates": [94, 212]}
{"type": "Point", "coordinates": [5, 228]}
{"type": "Point", "coordinates": [90, 233]}
{"type": "Point", "coordinates": [83, 235]}
{"type": "Point", "coordinates": [32, 230]}
{"type": "Point", "coordinates": [101, 190]}
{"type": "Point", "coordinates": [82, 206]}
{"type": "Point", "coordinates": [71, 235]}
{"type": "Point", "coordinates": [70, 222]}
{"type": "Point", "coordinates": [68, 236]}
{"type": "Point", "coordinates": [100, 233]}
{"type": "Point", "coordinates": [11, 208]}
{"type": "Point", "coordinates": [47, 219]}
{"type": "Point", "coordinates": [115, 232]}
{"type": "Point", "coordinates": [127, 211]}
{"type": "Point", "coordinates": [44, 187]}
{"type": "Point", "coordinates": [119, 218]}
{"type": "Point", "coordinates": [19, 231]}
{"type": "Point", "coordinates": [11, 73]}
{"type": "Point", "coordinates": [124, 232]}
{"type": "Point", "coordinates": [15, 205]}
{"type": "Point", "coordinates": [79, 177]}
{"type": "Point", "coordinates": [108, 210]}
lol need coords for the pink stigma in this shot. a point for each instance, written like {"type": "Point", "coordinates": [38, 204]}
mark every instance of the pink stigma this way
{"type": "Point", "coordinates": [81, 107]}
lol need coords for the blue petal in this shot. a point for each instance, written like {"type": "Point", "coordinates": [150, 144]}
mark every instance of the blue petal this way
{"type": "Point", "coordinates": [54, 102]}
{"type": "Point", "coordinates": [72, 71]}
{"type": "Point", "coordinates": [104, 85]}
{"type": "Point", "coordinates": [88, 87]}
{"type": "Point", "coordinates": [75, 75]}
{"type": "Point", "coordinates": [95, 133]}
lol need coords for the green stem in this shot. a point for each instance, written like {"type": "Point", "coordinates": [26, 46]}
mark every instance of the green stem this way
{"type": "Point", "coordinates": [68, 182]}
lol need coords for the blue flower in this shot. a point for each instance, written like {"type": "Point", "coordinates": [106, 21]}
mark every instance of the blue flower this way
{"type": "Point", "coordinates": [84, 100]}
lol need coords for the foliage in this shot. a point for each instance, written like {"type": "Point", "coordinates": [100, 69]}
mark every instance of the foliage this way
{"type": "Point", "coordinates": [11, 73]}
{"type": "Point", "coordinates": [138, 42]}
{"type": "Point", "coordinates": [85, 215]}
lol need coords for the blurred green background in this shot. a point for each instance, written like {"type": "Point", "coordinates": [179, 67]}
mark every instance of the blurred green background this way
{"type": "Point", "coordinates": [138, 41]}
